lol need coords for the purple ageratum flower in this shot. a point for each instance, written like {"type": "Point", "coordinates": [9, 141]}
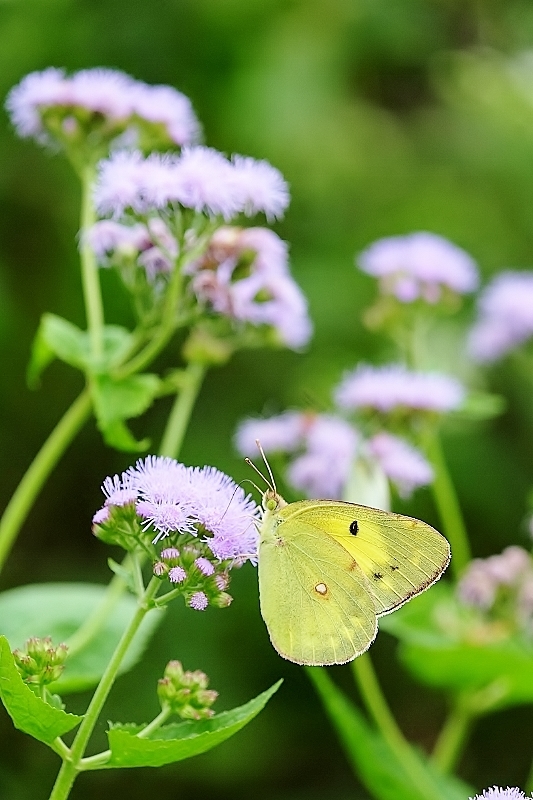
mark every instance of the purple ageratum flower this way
{"type": "Point", "coordinates": [36, 91]}
{"type": "Point", "coordinates": [505, 318]}
{"type": "Point", "coordinates": [201, 178]}
{"type": "Point", "coordinates": [323, 469]}
{"type": "Point", "coordinates": [266, 295]}
{"type": "Point", "coordinates": [284, 433]}
{"type": "Point", "coordinates": [198, 601]}
{"type": "Point", "coordinates": [107, 236]}
{"type": "Point", "coordinates": [205, 566]}
{"type": "Point", "coordinates": [261, 187]}
{"type": "Point", "coordinates": [394, 386]}
{"type": "Point", "coordinates": [419, 266]}
{"type": "Point", "coordinates": [175, 498]}
{"type": "Point", "coordinates": [497, 793]}
{"type": "Point", "coordinates": [403, 464]}
{"type": "Point", "coordinates": [109, 92]}
{"type": "Point", "coordinates": [165, 105]}
{"type": "Point", "coordinates": [510, 570]}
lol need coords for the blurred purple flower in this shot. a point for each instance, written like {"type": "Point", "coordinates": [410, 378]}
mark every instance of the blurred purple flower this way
{"type": "Point", "coordinates": [394, 386]}
{"type": "Point", "coordinates": [323, 469]}
{"type": "Point", "coordinates": [111, 93]}
{"type": "Point", "coordinates": [261, 187]}
{"type": "Point", "coordinates": [281, 434]}
{"type": "Point", "coordinates": [419, 266]}
{"type": "Point", "coordinates": [245, 275]}
{"type": "Point", "coordinates": [505, 316]}
{"type": "Point", "coordinates": [107, 236]}
{"type": "Point", "coordinates": [403, 464]}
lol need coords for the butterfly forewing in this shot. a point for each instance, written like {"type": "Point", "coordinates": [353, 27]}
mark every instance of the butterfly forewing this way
{"type": "Point", "coordinates": [314, 598]}
{"type": "Point", "coordinates": [399, 556]}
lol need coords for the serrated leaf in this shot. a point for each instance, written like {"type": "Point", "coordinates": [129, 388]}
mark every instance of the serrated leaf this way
{"type": "Point", "coordinates": [374, 763]}
{"type": "Point", "coordinates": [58, 610]}
{"type": "Point", "coordinates": [56, 337]}
{"type": "Point", "coordinates": [116, 401]}
{"type": "Point", "coordinates": [180, 740]}
{"type": "Point", "coordinates": [28, 712]}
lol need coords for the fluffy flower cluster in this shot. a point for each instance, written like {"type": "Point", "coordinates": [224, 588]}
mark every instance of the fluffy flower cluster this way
{"type": "Point", "coordinates": [393, 387]}
{"type": "Point", "coordinates": [419, 266]}
{"type": "Point", "coordinates": [151, 246]}
{"type": "Point", "coordinates": [171, 498]}
{"type": "Point", "coordinates": [505, 318]}
{"type": "Point", "coordinates": [200, 178]}
{"type": "Point", "coordinates": [325, 447]}
{"type": "Point", "coordinates": [244, 275]}
{"type": "Point", "coordinates": [501, 583]}
{"type": "Point", "coordinates": [117, 98]}
{"type": "Point", "coordinates": [497, 793]}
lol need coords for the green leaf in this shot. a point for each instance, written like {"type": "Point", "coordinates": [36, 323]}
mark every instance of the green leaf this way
{"type": "Point", "coordinates": [378, 768]}
{"type": "Point", "coordinates": [58, 610]}
{"type": "Point", "coordinates": [180, 740]}
{"type": "Point", "coordinates": [58, 338]}
{"type": "Point", "coordinates": [28, 712]}
{"type": "Point", "coordinates": [116, 401]}
{"type": "Point", "coordinates": [443, 645]}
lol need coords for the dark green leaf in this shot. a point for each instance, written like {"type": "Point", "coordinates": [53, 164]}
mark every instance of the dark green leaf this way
{"type": "Point", "coordinates": [180, 740]}
{"type": "Point", "coordinates": [58, 610]}
{"type": "Point", "coordinates": [28, 712]}
{"type": "Point", "coordinates": [116, 401]}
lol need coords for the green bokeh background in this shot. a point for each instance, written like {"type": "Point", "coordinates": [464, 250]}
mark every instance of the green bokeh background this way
{"type": "Point", "coordinates": [385, 116]}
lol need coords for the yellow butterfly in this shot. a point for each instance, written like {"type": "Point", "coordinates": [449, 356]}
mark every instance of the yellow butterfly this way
{"type": "Point", "coordinates": [328, 569]}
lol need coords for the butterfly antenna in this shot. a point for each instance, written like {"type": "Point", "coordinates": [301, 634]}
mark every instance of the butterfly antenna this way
{"type": "Point", "coordinates": [273, 482]}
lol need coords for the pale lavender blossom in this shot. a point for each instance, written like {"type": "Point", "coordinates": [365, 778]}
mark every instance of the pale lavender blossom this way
{"type": "Point", "coordinates": [324, 467]}
{"type": "Point", "coordinates": [419, 266]}
{"type": "Point", "coordinates": [175, 498]}
{"type": "Point", "coordinates": [505, 316]}
{"type": "Point", "coordinates": [393, 386]}
{"type": "Point", "coordinates": [198, 601]}
{"type": "Point", "coordinates": [510, 573]}
{"type": "Point", "coordinates": [35, 92]}
{"type": "Point", "coordinates": [111, 93]}
{"type": "Point", "coordinates": [204, 180]}
{"type": "Point", "coordinates": [497, 793]}
{"type": "Point", "coordinates": [165, 105]}
{"type": "Point", "coordinates": [177, 574]}
{"type": "Point", "coordinates": [170, 553]}
{"type": "Point", "coordinates": [403, 464]}
{"type": "Point", "coordinates": [121, 184]}
{"type": "Point", "coordinates": [261, 187]}
{"type": "Point", "coordinates": [205, 566]}
{"type": "Point", "coordinates": [106, 91]}
{"type": "Point", "coordinates": [119, 491]}
{"type": "Point", "coordinates": [107, 236]}
{"type": "Point", "coordinates": [283, 433]}
{"type": "Point", "coordinates": [265, 295]}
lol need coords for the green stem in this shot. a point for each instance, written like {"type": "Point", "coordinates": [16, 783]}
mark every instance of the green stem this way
{"type": "Point", "coordinates": [181, 411]}
{"type": "Point", "coordinates": [448, 506]}
{"type": "Point", "coordinates": [39, 470]}
{"type": "Point", "coordinates": [449, 745]}
{"type": "Point", "coordinates": [381, 714]}
{"type": "Point", "coordinates": [71, 767]}
{"type": "Point", "coordinates": [89, 268]}
{"type": "Point", "coordinates": [156, 723]}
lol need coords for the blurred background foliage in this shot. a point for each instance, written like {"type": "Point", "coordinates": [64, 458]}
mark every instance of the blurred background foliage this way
{"type": "Point", "coordinates": [386, 116]}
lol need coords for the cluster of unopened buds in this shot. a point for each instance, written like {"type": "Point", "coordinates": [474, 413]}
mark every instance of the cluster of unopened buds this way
{"type": "Point", "coordinates": [185, 693]}
{"type": "Point", "coordinates": [40, 662]}
{"type": "Point", "coordinates": [201, 581]}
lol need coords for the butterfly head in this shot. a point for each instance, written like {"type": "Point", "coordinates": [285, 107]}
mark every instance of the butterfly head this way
{"type": "Point", "coordinates": [272, 501]}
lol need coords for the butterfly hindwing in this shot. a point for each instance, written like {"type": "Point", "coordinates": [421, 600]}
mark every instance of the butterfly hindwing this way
{"type": "Point", "coordinates": [400, 556]}
{"type": "Point", "coordinates": [314, 598]}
